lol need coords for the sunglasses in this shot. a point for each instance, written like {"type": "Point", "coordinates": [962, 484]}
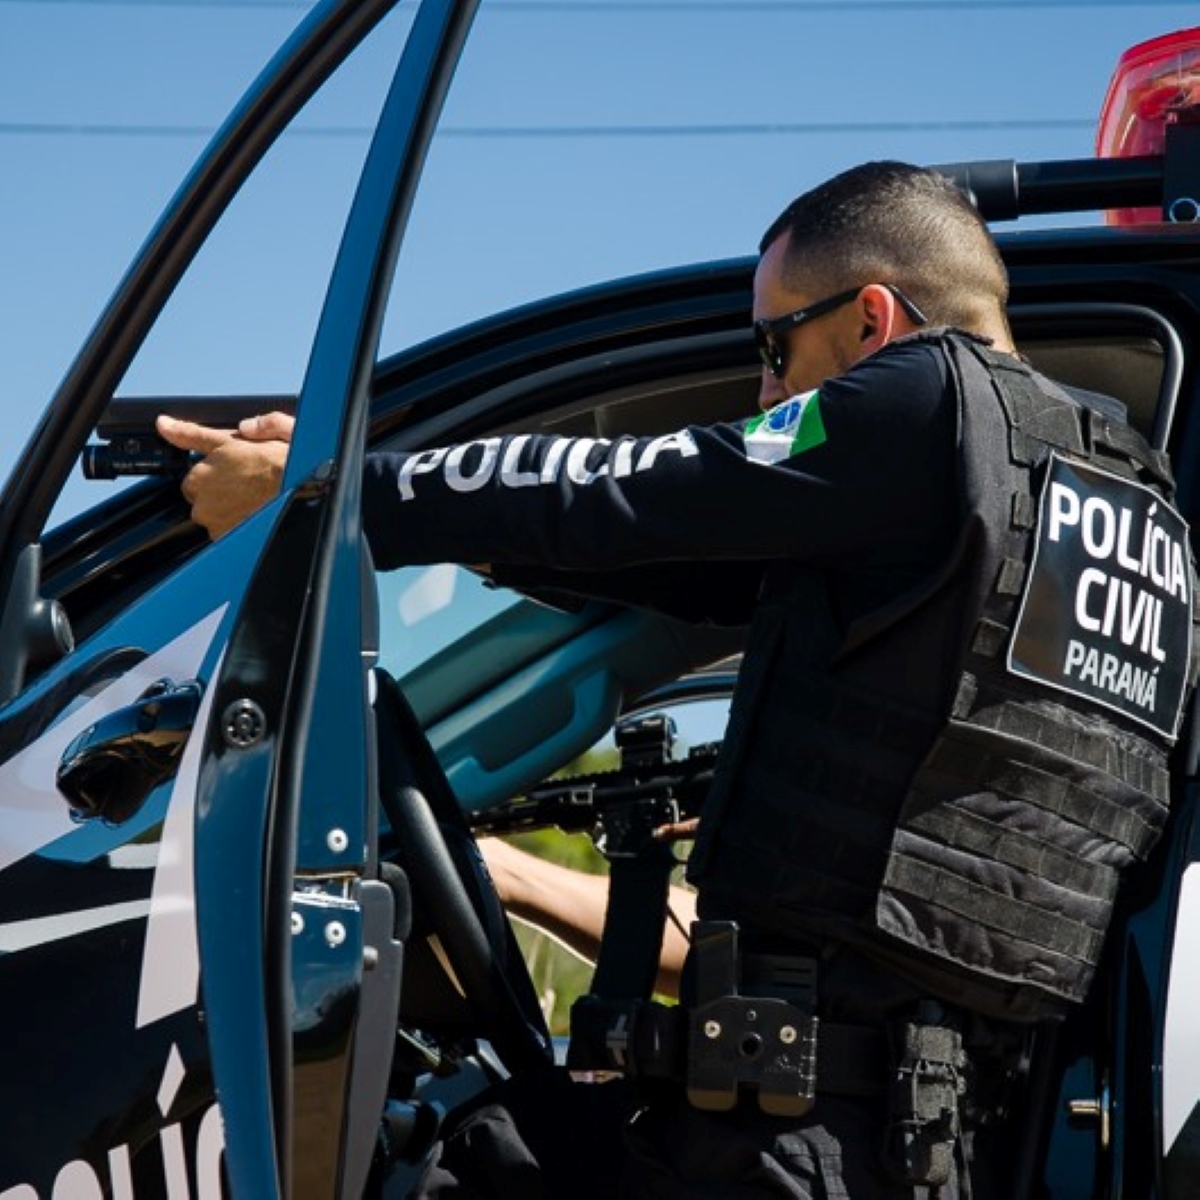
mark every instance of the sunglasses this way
{"type": "Point", "coordinates": [769, 332]}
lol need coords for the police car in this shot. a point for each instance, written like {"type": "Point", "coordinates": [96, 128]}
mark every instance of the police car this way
{"type": "Point", "coordinates": [245, 934]}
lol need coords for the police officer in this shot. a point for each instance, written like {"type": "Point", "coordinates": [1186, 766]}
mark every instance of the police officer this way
{"type": "Point", "coordinates": [969, 606]}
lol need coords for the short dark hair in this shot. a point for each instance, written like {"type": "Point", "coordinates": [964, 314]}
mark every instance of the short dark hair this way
{"type": "Point", "coordinates": [890, 222]}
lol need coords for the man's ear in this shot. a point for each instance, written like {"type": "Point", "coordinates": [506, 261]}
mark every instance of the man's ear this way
{"type": "Point", "coordinates": [883, 319]}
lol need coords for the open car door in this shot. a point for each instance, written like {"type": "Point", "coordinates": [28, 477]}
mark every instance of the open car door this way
{"type": "Point", "coordinates": [197, 957]}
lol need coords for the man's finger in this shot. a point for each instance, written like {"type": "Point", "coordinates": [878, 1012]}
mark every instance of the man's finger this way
{"type": "Point", "coordinates": [269, 427]}
{"type": "Point", "coordinates": [187, 435]}
{"type": "Point", "coordinates": [677, 830]}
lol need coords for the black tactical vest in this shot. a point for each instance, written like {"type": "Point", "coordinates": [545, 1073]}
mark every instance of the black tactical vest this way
{"type": "Point", "coordinates": [954, 784]}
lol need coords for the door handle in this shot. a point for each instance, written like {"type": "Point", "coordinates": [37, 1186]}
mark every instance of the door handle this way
{"type": "Point", "coordinates": [110, 769]}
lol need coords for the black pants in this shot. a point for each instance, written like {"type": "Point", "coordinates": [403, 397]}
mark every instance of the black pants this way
{"type": "Point", "coordinates": [532, 1138]}
{"type": "Point", "coordinates": [551, 1139]}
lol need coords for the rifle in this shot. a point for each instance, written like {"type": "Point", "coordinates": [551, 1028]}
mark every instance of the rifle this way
{"type": "Point", "coordinates": [620, 807]}
{"type": "Point", "coordinates": [128, 442]}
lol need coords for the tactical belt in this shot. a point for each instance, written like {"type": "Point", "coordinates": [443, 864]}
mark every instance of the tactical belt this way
{"type": "Point", "coordinates": [767, 1041]}
{"type": "Point", "coordinates": [752, 1029]}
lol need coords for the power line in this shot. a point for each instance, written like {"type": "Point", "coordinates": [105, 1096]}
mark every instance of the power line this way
{"type": "Point", "coordinates": [801, 6]}
{"type": "Point", "coordinates": [276, 4]}
{"type": "Point", "coordinates": [763, 129]}
{"type": "Point", "coordinates": [692, 7]}
{"type": "Point", "coordinates": [555, 132]}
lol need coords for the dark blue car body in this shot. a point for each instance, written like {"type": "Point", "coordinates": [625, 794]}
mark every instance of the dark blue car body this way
{"type": "Point", "coordinates": [205, 950]}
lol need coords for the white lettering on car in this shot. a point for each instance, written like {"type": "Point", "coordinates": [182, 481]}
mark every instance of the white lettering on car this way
{"type": "Point", "coordinates": [81, 1180]}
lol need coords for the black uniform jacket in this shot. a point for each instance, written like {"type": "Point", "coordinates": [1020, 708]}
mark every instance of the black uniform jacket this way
{"type": "Point", "coordinates": [856, 480]}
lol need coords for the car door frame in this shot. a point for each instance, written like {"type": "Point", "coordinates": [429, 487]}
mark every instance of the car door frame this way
{"type": "Point", "coordinates": [299, 630]}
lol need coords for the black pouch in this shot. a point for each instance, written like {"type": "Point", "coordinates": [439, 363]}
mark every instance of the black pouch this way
{"type": "Point", "coordinates": [928, 1082]}
{"type": "Point", "coordinates": [764, 1044]}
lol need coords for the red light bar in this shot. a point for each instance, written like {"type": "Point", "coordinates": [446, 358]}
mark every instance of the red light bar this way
{"type": "Point", "coordinates": [1153, 81]}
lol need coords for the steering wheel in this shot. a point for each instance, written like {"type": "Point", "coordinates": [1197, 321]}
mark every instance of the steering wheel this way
{"type": "Point", "coordinates": [452, 888]}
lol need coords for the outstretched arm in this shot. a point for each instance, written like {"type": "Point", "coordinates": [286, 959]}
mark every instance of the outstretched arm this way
{"type": "Point", "coordinates": [570, 905]}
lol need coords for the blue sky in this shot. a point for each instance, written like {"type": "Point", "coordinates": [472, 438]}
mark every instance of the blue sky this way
{"type": "Point", "coordinates": [582, 140]}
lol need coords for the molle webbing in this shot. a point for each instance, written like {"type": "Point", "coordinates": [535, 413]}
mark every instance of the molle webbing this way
{"type": "Point", "coordinates": [951, 898]}
{"type": "Point", "coordinates": [1052, 793]}
{"type": "Point", "coordinates": [979, 835]}
{"type": "Point", "coordinates": [849, 714]}
{"type": "Point", "coordinates": [1007, 856]}
{"type": "Point", "coordinates": [1036, 420]}
{"type": "Point", "coordinates": [1042, 416]}
{"type": "Point", "coordinates": [969, 832]}
{"type": "Point", "coordinates": [1022, 843]}
{"type": "Point", "coordinates": [1097, 748]}
{"type": "Point", "coordinates": [840, 790]}
{"type": "Point", "coordinates": [801, 825]}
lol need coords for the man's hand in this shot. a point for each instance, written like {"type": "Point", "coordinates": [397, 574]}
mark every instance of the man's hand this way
{"type": "Point", "coordinates": [240, 471]}
{"type": "Point", "coordinates": [678, 831]}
